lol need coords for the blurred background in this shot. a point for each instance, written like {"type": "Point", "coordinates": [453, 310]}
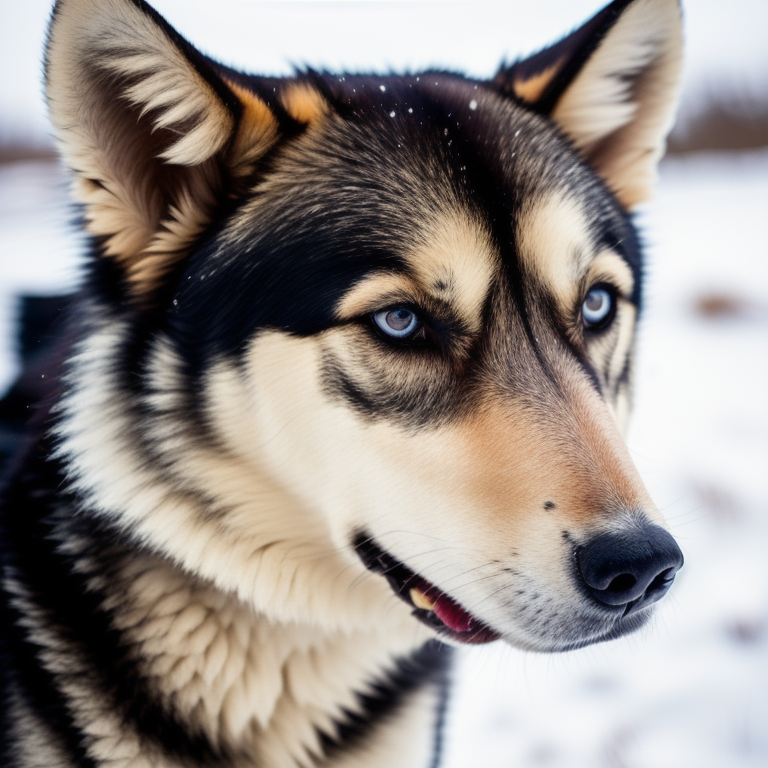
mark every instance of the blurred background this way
{"type": "Point", "coordinates": [692, 690]}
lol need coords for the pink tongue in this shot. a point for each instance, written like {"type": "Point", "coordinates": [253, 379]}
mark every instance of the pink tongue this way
{"type": "Point", "coordinates": [453, 616]}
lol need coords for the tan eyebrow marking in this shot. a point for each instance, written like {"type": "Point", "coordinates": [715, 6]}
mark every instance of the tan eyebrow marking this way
{"type": "Point", "coordinates": [456, 260]}
{"type": "Point", "coordinates": [371, 291]}
{"type": "Point", "coordinates": [608, 266]}
{"type": "Point", "coordinates": [453, 261]}
{"type": "Point", "coordinates": [555, 245]}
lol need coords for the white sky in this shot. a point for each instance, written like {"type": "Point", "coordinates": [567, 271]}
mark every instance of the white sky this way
{"type": "Point", "coordinates": [727, 41]}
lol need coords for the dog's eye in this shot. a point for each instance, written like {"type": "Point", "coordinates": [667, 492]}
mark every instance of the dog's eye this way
{"type": "Point", "coordinates": [598, 308]}
{"type": "Point", "coordinates": [398, 323]}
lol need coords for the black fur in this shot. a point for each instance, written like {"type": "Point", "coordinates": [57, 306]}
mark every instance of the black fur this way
{"type": "Point", "coordinates": [429, 666]}
{"type": "Point", "coordinates": [71, 608]}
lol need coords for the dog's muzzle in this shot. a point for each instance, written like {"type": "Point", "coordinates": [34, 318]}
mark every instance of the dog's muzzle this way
{"type": "Point", "coordinates": [629, 570]}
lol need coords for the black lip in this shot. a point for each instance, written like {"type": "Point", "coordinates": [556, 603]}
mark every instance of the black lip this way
{"type": "Point", "coordinates": [401, 579]}
{"type": "Point", "coordinates": [377, 560]}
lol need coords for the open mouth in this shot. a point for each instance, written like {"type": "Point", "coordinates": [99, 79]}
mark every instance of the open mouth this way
{"type": "Point", "coordinates": [435, 608]}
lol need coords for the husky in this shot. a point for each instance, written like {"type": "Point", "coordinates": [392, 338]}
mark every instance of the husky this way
{"type": "Point", "coordinates": [344, 388]}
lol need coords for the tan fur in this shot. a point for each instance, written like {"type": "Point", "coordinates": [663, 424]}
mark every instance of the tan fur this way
{"type": "Point", "coordinates": [455, 261]}
{"type": "Point", "coordinates": [376, 290]}
{"type": "Point", "coordinates": [555, 247]}
{"type": "Point", "coordinates": [413, 726]}
{"type": "Point", "coordinates": [34, 743]}
{"type": "Point", "coordinates": [531, 89]}
{"type": "Point", "coordinates": [569, 452]}
{"type": "Point", "coordinates": [106, 737]}
{"type": "Point", "coordinates": [257, 133]}
{"type": "Point", "coordinates": [609, 267]}
{"type": "Point", "coordinates": [611, 351]}
{"type": "Point", "coordinates": [235, 673]}
{"type": "Point", "coordinates": [304, 103]}
{"type": "Point", "coordinates": [623, 346]}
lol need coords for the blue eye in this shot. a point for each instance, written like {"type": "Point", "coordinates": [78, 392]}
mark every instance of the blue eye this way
{"type": "Point", "coordinates": [397, 323]}
{"type": "Point", "coordinates": [597, 309]}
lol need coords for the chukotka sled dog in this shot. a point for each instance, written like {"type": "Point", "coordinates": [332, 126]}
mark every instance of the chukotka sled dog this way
{"type": "Point", "coordinates": [344, 387]}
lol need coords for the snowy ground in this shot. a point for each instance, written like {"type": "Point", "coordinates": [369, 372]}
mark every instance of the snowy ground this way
{"type": "Point", "coordinates": [691, 691]}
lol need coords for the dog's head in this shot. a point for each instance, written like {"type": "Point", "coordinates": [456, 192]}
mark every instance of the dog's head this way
{"type": "Point", "coordinates": [407, 304]}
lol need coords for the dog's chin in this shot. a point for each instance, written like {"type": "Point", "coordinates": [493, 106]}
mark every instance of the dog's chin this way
{"type": "Point", "coordinates": [587, 624]}
{"type": "Point", "coordinates": [433, 607]}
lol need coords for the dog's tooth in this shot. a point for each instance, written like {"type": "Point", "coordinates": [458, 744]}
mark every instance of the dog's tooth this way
{"type": "Point", "coordinates": [420, 600]}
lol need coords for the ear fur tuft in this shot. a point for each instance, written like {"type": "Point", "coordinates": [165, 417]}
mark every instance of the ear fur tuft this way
{"type": "Point", "coordinates": [156, 138]}
{"type": "Point", "coordinates": [612, 86]}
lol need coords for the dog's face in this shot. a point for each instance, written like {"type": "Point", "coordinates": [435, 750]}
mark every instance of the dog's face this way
{"type": "Point", "coordinates": [416, 315]}
{"type": "Point", "coordinates": [442, 352]}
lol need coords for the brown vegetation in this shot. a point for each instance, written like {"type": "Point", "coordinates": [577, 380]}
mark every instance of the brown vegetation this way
{"type": "Point", "coordinates": [18, 152]}
{"type": "Point", "coordinates": [719, 121]}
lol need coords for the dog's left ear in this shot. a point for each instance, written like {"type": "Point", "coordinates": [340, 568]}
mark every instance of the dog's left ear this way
{"type": "Point", "coordinates": [612, 87]}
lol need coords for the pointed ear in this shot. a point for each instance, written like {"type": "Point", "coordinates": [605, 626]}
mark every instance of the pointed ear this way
{"type": "Point", "coordinates": [612, 87]}
{"type": "Point", "coordinates": [157, 138]}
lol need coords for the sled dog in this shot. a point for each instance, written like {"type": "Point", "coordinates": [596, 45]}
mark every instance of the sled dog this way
{"type": "Point", "coordinates": [344, 387]}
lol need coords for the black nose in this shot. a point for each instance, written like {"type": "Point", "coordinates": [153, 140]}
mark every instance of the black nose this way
{"type": "Point", "coordinates": [632, 568]}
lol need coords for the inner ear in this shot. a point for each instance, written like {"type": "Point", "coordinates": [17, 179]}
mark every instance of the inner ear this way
{"type": "Point", "coordinates": [612, 87]}
{"type": "Point", "coordinates": [541, 79]}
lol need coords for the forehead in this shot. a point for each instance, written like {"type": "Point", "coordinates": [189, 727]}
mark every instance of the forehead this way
{"type": "Point", "coordinates": [480, 178]}
{"type": "Point", "coordinates": [433, 177]}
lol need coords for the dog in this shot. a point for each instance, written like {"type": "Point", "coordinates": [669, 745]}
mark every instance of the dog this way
{"type": "Point", "coordinates": [344, 388]}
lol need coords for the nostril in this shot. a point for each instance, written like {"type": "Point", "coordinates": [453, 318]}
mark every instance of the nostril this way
{"type": "Point", "coordinates": [663, 580]}
{"type": "Point", "coordinates": [622, 583]}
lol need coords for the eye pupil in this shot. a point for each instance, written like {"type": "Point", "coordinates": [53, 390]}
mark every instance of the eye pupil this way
{"type": "Point", "coordinates": [597, 307]}
{"type": "Point", "coordinates": [398, 323]}
{"type": "Point", "coordinates": [399, 319]}
{"type": "Point", "coordinates": [595, 301]}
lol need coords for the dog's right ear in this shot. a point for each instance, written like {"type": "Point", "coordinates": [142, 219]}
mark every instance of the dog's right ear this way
{"type": "Point", "coordinates": [159, 136]}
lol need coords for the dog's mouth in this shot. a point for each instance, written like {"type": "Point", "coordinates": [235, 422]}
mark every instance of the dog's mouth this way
{"type": "Point", "coordinates": [431, 606]}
